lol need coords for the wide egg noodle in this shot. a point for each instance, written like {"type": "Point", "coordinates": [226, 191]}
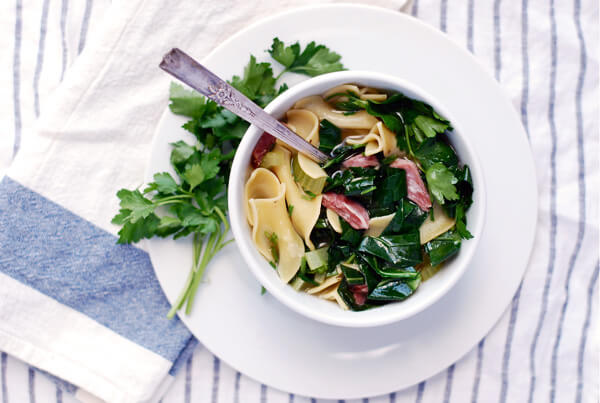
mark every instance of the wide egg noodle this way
{"type": "Point", "coordinates": [379, 139]}
{"type": "Point", "coordinates": [306, 211]}
{"type": "Point", "coordinates": [334, 220]}
{"type": "Point", "coordinates": [316, 104]}
{"type": "Point", "coordinates": [335, 94]}
{"type": "Point", "coordinates": [270, 217]}
{"type": "Point", "coordinates": [305, 124]}
{"type": "Point", "coordinates": [262, 184]}
{"type": "Point", "coordinates": [330, 281]}
{"type": "Point", "coordinates": [440, 224]}
{"type": "Point", "coordinates": [378, 224]}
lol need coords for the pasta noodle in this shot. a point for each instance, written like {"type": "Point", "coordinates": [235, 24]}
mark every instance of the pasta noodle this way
{"type": "Point", "coordinates": [305, 212]}
{"type": "Point", "coordinates": [326, 284]}
{"type": "Point", "coordinates": [334, 220]}
{"type": "Point", "coordinates": [378, 224]}
{"type": "Point", "coordinates": [270, 217]}
{"type": "Point", "coordinates": [316, 104]}
{"type": "Point", "coordinates": [441, 223]}
{"type": "Point", "coordinates": [379, 139]}
{"type": "Point", "coordinates": [305, 124]}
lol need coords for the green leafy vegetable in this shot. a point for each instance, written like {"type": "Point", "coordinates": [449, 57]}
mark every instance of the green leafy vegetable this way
{"type": "Point", "coordinates": [402, 250]}
{"type": "Point", "coordinates": [352, 275]}
{"type": "Point", "coordinates": [391, 189]}
{"type": "Point", "coordinates": [391, 290]}
{"type": "Point", "coordinates": [408, 217]}
{"type": "Point", "coordinates": [329, 136]}
{"type": "Point", "coordinates": [443, 247]}
{"type": "Point", "coordinates": [441, 182]}
{"type": "Point", "coordinates": [313, 60]}
{"type": "Point", "coordinates": [433, 151]}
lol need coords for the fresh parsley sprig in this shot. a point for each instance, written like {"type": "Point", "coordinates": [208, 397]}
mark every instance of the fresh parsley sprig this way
{"type": "Point", "coordinates": [194, 202]}
{"type": "Point", "coordinates": [312, 61]}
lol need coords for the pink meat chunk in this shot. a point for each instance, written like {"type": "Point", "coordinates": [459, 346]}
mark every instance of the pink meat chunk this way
{"type": "Point", "coordinates": [265, 143]}
{"type": "Point", "coordinates": [351, 211]}
{"type": "Point", "coordinates": [360, 293]}
{"type": "Point", "coordinates": [361, 161]}
{"type": "Point", "coordinates": [417, 191]}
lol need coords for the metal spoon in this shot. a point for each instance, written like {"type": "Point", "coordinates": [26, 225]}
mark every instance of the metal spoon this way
{"type": "Point", "coordinates": [183, 67]}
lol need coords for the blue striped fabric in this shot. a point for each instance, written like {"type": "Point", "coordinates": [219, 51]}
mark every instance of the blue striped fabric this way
{"type": "Point", "coordinates": [540, 334]}
{"type": "Point", "coordinates": [79, 265]}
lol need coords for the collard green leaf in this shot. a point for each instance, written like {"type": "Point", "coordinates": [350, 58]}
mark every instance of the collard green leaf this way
{"type": "Point", "coordinates": [408, 217]}
{"type": "Point", "coordinates": [402, 250]}
{"type": "Point", "coordinates": [353, 276]}
{"type": "Point", "coordinates": [436, 150]}
{"type": "Point", "coordinates": [443, 247]}
{"type": "Point", "coordinates": [391, 189]}
{"type": "Point", "coordinates": [329, 136]}
{"type": "Point", "coordinates": [350, 235]}
{"type": "Point", "coordinates": [391, 290]}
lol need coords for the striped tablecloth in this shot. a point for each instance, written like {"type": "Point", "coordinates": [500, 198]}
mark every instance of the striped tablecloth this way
{"type": "Point", "coordinates": [545, 55]}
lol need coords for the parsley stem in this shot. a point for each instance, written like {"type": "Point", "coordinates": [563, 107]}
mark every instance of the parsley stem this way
{"type": "Point", "coordinates": [198, 241]}
{"type": "Point", "coordinates": [206, 256]}
{"type": "Point", "coordinates": [280, 74]}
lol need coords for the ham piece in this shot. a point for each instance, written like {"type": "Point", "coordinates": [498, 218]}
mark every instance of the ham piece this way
{"type": "Point", "coordinates": [417, 191]}
{"type": "Point", "coordinates": [351, 211]}
{"type": "Point", "coordinates": [265, 143]}
{"type": "Point", "coordinates": [360, 293]}
{"type": "Point", "coordinates": [361, 161]}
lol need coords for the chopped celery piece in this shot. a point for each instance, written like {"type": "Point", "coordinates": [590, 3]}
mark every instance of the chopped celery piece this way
{"type": "Point", "coordinates": [272, 159]}
{"type": "Point", "coordinates": [317, 259]}
{"type": "Point", "coordinates": [297, 283]}
{"type": "Point", "coordinates": [309, 175]}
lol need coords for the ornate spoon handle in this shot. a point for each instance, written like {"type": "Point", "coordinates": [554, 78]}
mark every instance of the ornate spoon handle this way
{"type": "Point", "coordinates": [183, 67]}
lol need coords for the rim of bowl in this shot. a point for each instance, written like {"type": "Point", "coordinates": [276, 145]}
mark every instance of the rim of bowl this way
{"type": "Point", "coordinates": [238, 174]}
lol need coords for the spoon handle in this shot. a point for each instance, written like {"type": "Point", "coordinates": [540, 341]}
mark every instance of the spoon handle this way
{"type": "Point", "coordinates": [183, 67]}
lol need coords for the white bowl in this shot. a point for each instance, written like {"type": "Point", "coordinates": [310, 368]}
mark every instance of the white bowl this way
{"type": "Point", "coordinates": [325, 311]}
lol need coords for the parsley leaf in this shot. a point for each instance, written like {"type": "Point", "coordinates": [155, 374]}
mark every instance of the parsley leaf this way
{"type": "Point", "coordinates": [134, 202]}
{"type": "Point", "coordinates": [441, 182]}
{"type": "Point", "coordinates": [312, 61]}
{"type": "Point", "coordinates": [284, 55]}
{"type": "Point", "coordinates": [163, 183]}
{"type": "Point", "coordinates": [258, 82]}
{"type": "Point", "coordinates": [186, 102]}
{"type": "Point", "coordinates": [461, 223]}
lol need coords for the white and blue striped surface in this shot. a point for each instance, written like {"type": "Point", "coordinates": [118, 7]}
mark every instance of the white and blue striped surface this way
{"type": "Point", "coordinates": [545, 55]}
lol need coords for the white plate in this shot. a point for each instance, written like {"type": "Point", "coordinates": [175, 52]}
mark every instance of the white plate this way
{"type": "Point", "coordinates": [259, 336]}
